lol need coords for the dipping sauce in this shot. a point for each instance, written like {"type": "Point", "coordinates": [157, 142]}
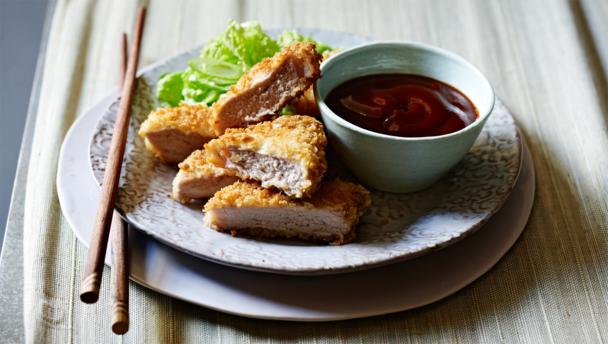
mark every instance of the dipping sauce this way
{"type": "Point", "coordinates": [404, 105]}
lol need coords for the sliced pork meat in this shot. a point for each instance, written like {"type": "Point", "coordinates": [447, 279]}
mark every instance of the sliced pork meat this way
{"type": "Point", "coordinates": [171, 134]}
{"type": "Point", "coordinates": [287, 153]}
{"type": "Point", "coordinates": [267, 87]}
{"type": "Point", "coordinates": [198, 179]}
{"type": "Point", "coordinates": [330, 215]}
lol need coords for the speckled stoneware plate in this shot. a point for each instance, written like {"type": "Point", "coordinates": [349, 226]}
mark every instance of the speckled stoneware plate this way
{"type": "Point", "coordinates": [397, 227]}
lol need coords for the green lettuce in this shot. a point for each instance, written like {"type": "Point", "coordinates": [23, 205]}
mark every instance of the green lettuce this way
{"type": "Point", "coordinates": [291, 37]}
{"type": "Point", "coordinates": [169, 88]}
{"type": "Point", "coordinates": [241, 44]}
{"type": "Point", "coordinates": [222, 62]}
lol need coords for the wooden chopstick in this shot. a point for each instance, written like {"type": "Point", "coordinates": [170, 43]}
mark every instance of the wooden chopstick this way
{"type": "Point", "coordinates": [124, 60]}
{"type": "Point", "coordinates": [118, 236]}
{"type": "Point", "coordinates": [120, 275]}
{"type": "Point", "coordinates": [89, 288]}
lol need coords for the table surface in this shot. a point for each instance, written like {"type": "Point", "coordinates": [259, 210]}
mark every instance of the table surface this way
{"type": "Point", "coordinates": [547, 60]}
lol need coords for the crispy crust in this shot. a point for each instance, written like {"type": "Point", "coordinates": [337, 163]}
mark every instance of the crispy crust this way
{"type": "Point", "coordinates": [348, 199]}
{"type": "Point", "coordinates": [267, 87]}
{"type": "Point", "coordinates": [197, 178]}
{"type": "Point", "coordinates": [187, 118]}
{"type": "Point", "coordinates": [197, 164]}
{"type": "Point", "coordinates": [306, 104]}
{"type": "Point", "coordinates": [296, 138]}
{"type": "Point", "coordinates": [171, 134]}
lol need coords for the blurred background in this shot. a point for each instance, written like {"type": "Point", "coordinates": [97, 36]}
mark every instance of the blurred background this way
{"type": "Point", "coordinates": [21, 23]}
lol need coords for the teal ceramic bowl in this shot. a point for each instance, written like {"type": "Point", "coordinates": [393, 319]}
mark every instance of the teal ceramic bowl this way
{"type": "Point", "coordinates": [392, 163]}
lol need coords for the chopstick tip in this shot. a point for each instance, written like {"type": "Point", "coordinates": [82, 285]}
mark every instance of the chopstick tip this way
{"type": "Point", "coordinates": [89, 289]}
{"type": "Point", "coordinates": [120, 318]}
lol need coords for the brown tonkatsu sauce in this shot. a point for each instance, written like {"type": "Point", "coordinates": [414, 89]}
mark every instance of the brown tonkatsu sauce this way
{"type": "Point", "coordinates": [404, 105]}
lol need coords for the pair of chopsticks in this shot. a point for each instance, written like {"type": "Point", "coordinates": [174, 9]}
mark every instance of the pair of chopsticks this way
{"type": "Point", "coordinates": [107, 219]}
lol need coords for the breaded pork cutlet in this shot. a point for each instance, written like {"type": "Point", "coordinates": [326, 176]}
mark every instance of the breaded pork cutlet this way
{"type": "Point", "coordinates": [198, 179]}
{"type": "Point", "coordinates": [267, 87]}
{"type": "Point", "coordinates": [173, 133]}
{"type": "Point", "coordinates": [306, 104]}
{"type": "Point", "coordinates": [330, 215]}
{"type": "Point", "coordinates": [287, 153]}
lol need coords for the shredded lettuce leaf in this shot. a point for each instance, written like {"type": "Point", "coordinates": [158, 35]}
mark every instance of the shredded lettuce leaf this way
{"type": "Point", "coordinates": [288, 110]}
{"type": "Point", "coordinates": [169, 88]}
{"type": "Point", "coordinates": [222, 62]}
{"type": "Point", "coordinates": [242, 44]}
{"type": "Point", "coordinates": [291, 37]}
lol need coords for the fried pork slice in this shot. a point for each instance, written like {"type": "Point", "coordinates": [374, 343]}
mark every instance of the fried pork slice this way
{"type": "Point", "coordinates": [306, 104]}
{"type": "Point", "coordinates": [287, 153]}
{"type": "Point", "coordinates": [267, 87]}
{"type": "Point", "coordinates": [198, 179]}
{"type": "Point", "coordinates": [330, 215]}
{"type": "Point", "coordinates": [173, 133]}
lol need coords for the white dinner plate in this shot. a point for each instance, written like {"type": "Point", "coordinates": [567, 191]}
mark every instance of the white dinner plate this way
{"type": "Point", "coordinates": [394, 288]}
{"type": "Point", "coordinates": [396, 228]}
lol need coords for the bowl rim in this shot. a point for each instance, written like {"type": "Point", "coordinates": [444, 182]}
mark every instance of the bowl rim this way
{"type": "Point", "coordinates": [325, 110]}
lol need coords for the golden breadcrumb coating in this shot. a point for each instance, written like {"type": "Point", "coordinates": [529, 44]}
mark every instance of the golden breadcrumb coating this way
{"type": "Point", "coordinates": [302, 51]}
{"type": "Point", "coordinates": [187, 118]}
{"type": "Point", "coordinates": [197, 164]}
{"type": "Point", "coordinates": [306, 104]}
{"type": "Point", "coordinates": [171, 134]}
{"type": "Point", "coordinates": [347, 199]}
{"type": "Point", "coordinates": [198, 179]}
{"type": "Point", "coordinates": [295, 138]}
{"type": "Point", "coordinates": [267, 87]}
